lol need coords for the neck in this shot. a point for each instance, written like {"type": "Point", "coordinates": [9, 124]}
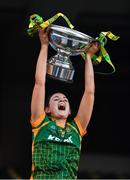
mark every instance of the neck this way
{"type": "Point", "coordinates": [60, 122]}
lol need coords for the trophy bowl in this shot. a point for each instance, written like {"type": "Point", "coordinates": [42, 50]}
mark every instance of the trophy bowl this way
{"type": "Point", "coordinates": [67, 42]}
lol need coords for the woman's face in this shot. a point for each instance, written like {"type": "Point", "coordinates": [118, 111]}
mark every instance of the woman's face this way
{"type": "Point", "coordinates": [58, 106]}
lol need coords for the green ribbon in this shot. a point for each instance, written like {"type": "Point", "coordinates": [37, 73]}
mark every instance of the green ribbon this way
{"type": "Point", "coordinates": [36, 23]}
{"type": "Point", "coordinates": [103, 55]}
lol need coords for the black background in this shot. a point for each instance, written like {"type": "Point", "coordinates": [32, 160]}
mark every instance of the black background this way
{"type": "Point", "coordinates": [108, 131]}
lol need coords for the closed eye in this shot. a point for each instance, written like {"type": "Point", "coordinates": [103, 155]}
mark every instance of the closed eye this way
{"type": "Point", "coordinates": [65, 100]}
{"type": "Point", "coordinates": [56, 99]}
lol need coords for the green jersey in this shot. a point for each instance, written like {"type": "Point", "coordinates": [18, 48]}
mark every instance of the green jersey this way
{"type": "Point", "coordinates": [55, 150]}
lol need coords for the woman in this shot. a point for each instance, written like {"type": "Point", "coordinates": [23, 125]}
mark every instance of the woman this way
{"type": "Point", "coordinates": [57, 143]}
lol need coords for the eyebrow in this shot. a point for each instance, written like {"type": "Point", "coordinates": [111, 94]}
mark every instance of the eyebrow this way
{"type": "Point", "coordinates": [58, 97]}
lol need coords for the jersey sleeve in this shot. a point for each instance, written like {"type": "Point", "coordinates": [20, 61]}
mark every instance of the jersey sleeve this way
{"type": "Point", "coordinates": [76, 123]}
{"type": "Point", "coordinates": [39, 121]}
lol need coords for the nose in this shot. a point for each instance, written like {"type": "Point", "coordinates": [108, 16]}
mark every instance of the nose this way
{"type": "Point", "coordinates": [61, 100]}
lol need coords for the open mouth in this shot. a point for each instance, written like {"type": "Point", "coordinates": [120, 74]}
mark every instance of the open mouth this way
{"type": "Point", "coordinates": [61, 108]}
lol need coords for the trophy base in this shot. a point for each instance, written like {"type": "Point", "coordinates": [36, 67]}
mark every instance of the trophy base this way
{"type": "Point", "coordinates": [60, 73]}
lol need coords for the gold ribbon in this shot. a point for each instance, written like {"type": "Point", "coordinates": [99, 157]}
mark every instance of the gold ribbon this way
{"type": "Point", "coordinates": [36, 22]}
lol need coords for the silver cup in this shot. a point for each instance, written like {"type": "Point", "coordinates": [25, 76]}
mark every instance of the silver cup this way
{"type": "Point", "coordinates": [67, 42]}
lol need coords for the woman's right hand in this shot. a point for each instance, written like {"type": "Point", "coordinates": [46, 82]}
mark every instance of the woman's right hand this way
{"type": "Point", "coordinates": [43, 36]}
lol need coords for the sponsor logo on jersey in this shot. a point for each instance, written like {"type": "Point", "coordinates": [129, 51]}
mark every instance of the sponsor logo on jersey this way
{"type": "Point", "coordinates": [54, 138]}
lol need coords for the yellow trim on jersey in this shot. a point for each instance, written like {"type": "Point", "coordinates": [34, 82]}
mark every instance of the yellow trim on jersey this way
{"type": "Point", "coordinates": [33, 168]}
{"type": "Point", "coordinates": [38, 121]}
{"type": "Point", "coordinates": [73, 127]}
{"type": "Point", "coordinates": [81, 130]}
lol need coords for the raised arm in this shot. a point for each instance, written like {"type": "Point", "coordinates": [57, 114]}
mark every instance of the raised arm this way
{"type": "Point", "coordinates": [87, 101]}
{"type": "Point", "coordinates": [38, 96]}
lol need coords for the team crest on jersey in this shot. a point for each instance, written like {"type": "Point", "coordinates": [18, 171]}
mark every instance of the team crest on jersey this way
{"type": "Point", "coordinates": [68, 129]}
{"type": "Point", "coordinates": [53, 127]}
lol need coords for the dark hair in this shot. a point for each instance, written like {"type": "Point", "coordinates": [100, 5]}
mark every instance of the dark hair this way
{"type": "Point", "coordinates": [47, 99]}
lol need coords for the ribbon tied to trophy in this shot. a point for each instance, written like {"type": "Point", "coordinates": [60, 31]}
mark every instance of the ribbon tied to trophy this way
{"type": "Point", "coordinates": [69, 42]}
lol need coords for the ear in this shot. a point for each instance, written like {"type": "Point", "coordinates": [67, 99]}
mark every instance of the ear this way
{"type": "Point", "coordinates": [47, 110]}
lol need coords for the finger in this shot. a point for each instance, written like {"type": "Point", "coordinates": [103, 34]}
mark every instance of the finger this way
{"type": "Point", "coordinates": [96, 43]}
{"type": "Point", "coordinates": [42, 31]}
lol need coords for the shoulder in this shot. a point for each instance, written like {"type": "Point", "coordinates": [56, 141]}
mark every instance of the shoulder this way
{"type": "Point", "coordinates": [75, 123]}
{"type": "Point", "coordinates": [43, 118]}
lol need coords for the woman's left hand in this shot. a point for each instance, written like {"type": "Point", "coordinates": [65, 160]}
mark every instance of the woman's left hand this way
{"type": "Point", "coordinates": [93, 49]}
